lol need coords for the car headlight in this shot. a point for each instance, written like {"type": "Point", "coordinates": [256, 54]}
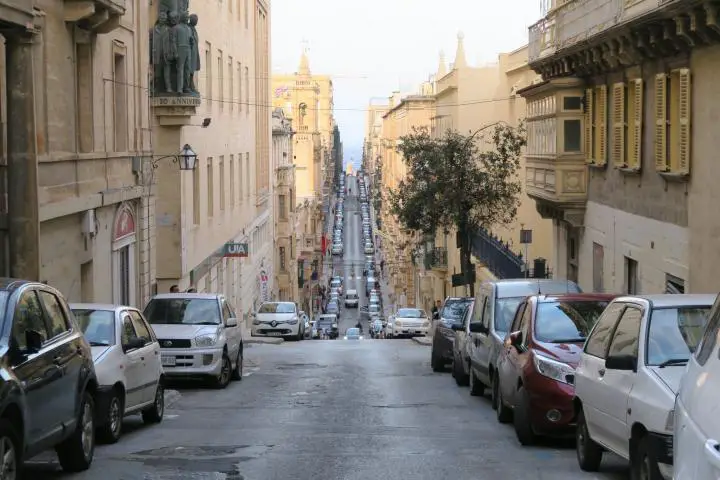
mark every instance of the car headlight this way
{"type": "Point", "coordinates": [206, 340]}
{"type": "Point", "coordinates": [426, 324]}
{"type": "Point", "coordinates": [562, 372]}
{"type": "Point", "coordinates": [345, 338]}
{"type": "Point", "coordinates": [398, 323]}
{"type": "Point", "coordinates": [293, 321]}
{"type": "Point", "coordinates": [670, 421]}
{"type": "Point", "coordinates": [334, 325]}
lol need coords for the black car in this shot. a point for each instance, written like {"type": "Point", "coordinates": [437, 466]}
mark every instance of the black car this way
{"type": "Point", "coordinates": [47, 378]}
{"type": "Point", "coordinates": [451, 315]}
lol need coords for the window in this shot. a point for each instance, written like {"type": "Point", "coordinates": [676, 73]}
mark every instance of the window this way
{"type": "Point", "coordinates": [120, 102]}
{"type": "Point", "coordinates": [221, 167]}
{"type": "Point", "coordinates": [124, 277]}
{"type": "Point", "coordinates": [572, 135]}
{"type": "Point", "coordinates": [598, 268]}
{"type": "Point", "coordinates": [518, 318]}
{"type": "Point", "coordinates": [619, 126]}
{"type": "Point", "coordinates": [128, 331]}
{"type": "Point", "coordinates": [631, 276]}
{"type": "Point", "coordinates": [596, 125]}
{"type": "Point", "coordinates": [710, 336]}
{"type": "Point", "coordinates": [674, 284]}
{"type": "Point", "coordinates": [221, 79]}
{"type": "Point", "coordinates": [232, 181]}
{"type": "Point", "coordinates": [140, 327]}
{"type": "Point", "coordinates": [566, 321]}
{"type": "Point", "coordinates": [633, 124]}
{"type": "Point", "coordinates": [210, 188]}
{"type": "Point", "coordinates": [282, 207]}
{"type": "Point", "coordinates": [84, 92]}
{"type": "Point", "coordinates": [674, 333]}
{"type": "Point", "coordinates": [283, 266]}
{"type": "Point", "coordinates": [672, 121]}
{"type": "Point", "coordinates": [196, 196]}
{"type": "Point", "coordinates": [28, 316]}
{"type": "Point", "coordinates": [597, 343]}
{"type": "Point", "coordinates": [627, 334]}
{"type": "Point", "coordinates": [58, 323]}
{"type": "Point", "coordinates": [572, 103]}
{"type": "Point", "coordinates": [227, 313]}
{"type": "Point", "coordinates": [208, 74]}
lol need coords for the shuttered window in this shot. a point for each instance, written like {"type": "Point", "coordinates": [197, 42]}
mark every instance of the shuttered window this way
{"type": "Point", "coordinates": [672, 122]}
{"type": "Point", "coordinates": [634, 102]}
{"type": "Point", "coordinates": [618, 125]}
{"type": "Point", "coordinates": [596, 119]}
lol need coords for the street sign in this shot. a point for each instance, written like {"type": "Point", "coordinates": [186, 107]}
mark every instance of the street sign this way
{"type": "Point", "coordinates": [525, 237]}
{"type": "Point", "coordinates": [236, 250]}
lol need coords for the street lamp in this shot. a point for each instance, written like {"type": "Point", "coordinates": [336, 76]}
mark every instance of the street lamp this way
{"type": "Point", "coordinates": [187, 159]}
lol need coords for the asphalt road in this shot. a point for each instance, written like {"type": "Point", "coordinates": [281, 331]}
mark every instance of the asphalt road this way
{"type": "Point", "coordinates": [331, 410]}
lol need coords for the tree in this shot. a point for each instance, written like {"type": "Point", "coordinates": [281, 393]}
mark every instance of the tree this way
{"type": "Point", "coordinates": [466, 182]}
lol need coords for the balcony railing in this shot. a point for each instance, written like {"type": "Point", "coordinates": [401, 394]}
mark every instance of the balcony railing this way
{"type": "Point", "coordinates": [437, 258]}
{"type": "Point", "coordinates": [497, 256]}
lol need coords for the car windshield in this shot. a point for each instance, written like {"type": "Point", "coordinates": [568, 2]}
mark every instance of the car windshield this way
{"type": "Point", "coordinates": [98, 326]}
{"type": "Point", "coordinates": [374, 307]}
{"type": "Point", "coordinates": [674, 333]}
{"type": "Point", "coordinates": [454, 309]}
{"type": "Point", "coordinates": [410, 313]}
{"type": "Point", "coordinates": [183, 311]}
{"type": "Point", "coordinates": [325, 322]}
{"type": "Point", "coordinates": [284, 307]}
{"type": "Point", "coordinates": [566, 322]}
{"type": "Point", "coordinates": [352, 296]}
{"type": "Point", "coordinates": [353, 332]}
{"type": "Point", "coordinates": [505, 313]}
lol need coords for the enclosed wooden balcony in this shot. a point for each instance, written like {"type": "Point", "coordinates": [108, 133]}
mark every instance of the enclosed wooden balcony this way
{"type": "Point", "coordinates": [99, 16]}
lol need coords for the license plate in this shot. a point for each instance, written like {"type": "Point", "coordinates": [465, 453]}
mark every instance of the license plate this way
{"type": "Point", "coordinates": [168, 361]}
{"type": "Point", "coordinates": [274, 334]}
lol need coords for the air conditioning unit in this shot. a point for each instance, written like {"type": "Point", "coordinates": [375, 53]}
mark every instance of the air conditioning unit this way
{"type": "Point", "coordinates": [89, 223]}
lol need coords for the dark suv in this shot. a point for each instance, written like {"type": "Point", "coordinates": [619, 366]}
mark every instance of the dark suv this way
{"type": "Point", "coordinates": [451, 314]}
{"type": "Point", "coordinates": [47, 378]}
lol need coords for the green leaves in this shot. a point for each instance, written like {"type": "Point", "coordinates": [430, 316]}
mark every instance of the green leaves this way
{"type": "Point", "coordinates": [459, 181]}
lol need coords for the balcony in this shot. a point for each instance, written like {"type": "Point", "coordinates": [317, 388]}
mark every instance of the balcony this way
{"type": "Point", "coordinates": [283, 228]}
{"type": "Point", "coordinates": [284, 176]}
{"type": "Point", "coordinates": [98, 16]}
{"type": "Point", "coordinates": [437, 259]}
{"type": "Point", "coordinates": [284, 280]}
{"type": "Point", "coordinates": [307, 245]}
{"type": "Point", "coordinates": [576, 34]}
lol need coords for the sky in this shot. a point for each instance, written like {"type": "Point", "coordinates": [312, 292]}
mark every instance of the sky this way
{"type": "Point", "coordinates": [374, 47]}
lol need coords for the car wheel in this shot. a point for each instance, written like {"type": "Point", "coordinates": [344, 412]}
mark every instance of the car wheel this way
{"type": "Point", "coordinates": [521, 420]}
{"type": "Point", "coordinates": [503, 413]}
{"type": "Point", "coordinates": [75, 454]}
{"type": "Point", "coordinates": [589, 453]}
{"type": "Point", "coordinates": [436, 362]}
{"type": "Point", "coordinates": [11, 461]}
{"type": "Point", "coordinates": [155, 413]}
{"type": "Point", "coordinates": [223, 378]}
{"type": "Point", "coordinates": [461, 378]}
{"type": "Point", "coordinates": [476, 388]}
{"type": "Point", "coordinates": [643, 465]}
{"type": "Point", "coordinates": [110, 431]}
{"type": "Point", "coordinates": [238, 372]}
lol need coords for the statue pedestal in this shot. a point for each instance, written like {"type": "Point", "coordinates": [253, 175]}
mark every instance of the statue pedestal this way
{"type": "Point", "coordinates": [174, 110]}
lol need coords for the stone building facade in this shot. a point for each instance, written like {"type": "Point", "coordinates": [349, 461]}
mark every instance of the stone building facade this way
{"type": "Point", "coordinates": [74, 208]}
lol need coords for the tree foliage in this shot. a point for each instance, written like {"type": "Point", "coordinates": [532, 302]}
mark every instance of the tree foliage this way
{"type": "Point", "coordinates": [459, 181]}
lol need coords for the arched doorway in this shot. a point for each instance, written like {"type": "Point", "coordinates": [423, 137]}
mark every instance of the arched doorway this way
{"type": "Point", "coordinates": [124, 256]}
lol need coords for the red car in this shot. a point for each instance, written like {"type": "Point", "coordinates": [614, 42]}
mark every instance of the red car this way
{"type": "Point", "coordinates": [536, 368]}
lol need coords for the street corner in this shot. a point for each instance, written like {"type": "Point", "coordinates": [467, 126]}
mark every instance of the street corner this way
{"type": "Point", "coordinates": [264, 341]}
{"type": "Point", "coordinates": [426, 341]}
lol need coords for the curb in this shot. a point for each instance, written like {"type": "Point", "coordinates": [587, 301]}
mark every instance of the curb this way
{"type": "Point", "coordinates": [425, 341]}
{"type": "Point", "coordinates": [263, 340]}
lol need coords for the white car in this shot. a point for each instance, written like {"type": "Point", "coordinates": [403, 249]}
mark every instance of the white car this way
{"type": "Point", "coordinates": [278, 319]}
{"type": "Point", "coordinates": [628, 376]}
{"type": "Point", "coordinates": [696, 445]}
{"type": "Point", "coordinates": [352, 299]}
{"type": "Point", "coordinates": [199, 336]}
{"type": "Point", "coordinates": [126, 355]}
{"type": "Point", "coordinates": [412, 322]}
{"type": "Point", "coordinates": [337, 249]}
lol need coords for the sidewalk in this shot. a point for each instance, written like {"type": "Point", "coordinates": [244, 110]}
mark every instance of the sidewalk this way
{"type": "Point", "coordinates": [425, 341]}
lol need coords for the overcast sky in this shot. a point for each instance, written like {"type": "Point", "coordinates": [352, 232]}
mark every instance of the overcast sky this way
{"type": "Point", "coordinates": [376, 46]}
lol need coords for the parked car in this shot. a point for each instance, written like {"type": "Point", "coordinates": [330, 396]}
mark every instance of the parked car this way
{"type": "Point", "coordinates": [129, 372]}
{"type": "Point", "coordinates": [461, 368]}
{"type": "Point", "coordinates": [536, 369]}
{"type": "Point", "coordinates": [47, 379]}
{"type": "Point", "coordinates": [495, 305]}
{"type": "Point", "coordinates": [628, 376]}
{"type": "Point", "coordinates": [278, 319]}
{"type": "Point", "coordinates": [199, 336]}
{"type": "Point", "coordinates": [451, 314]}
{"type": "Point", "coordinates": [696, 446]}
{"type": "Point", "coordinates": [411, 322]}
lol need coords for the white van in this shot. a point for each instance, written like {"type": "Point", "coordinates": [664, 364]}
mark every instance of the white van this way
{"type": "Point", "coordinates": [352, 299]}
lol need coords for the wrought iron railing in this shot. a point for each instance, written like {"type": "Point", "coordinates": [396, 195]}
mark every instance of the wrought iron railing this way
{"type": "Point", "coordinates": [497, 256]}
{"type": "Point", "coordinates": [436, 258]}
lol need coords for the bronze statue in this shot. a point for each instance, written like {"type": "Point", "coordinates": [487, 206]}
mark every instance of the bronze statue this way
{"type": "Point", "coordinates": [182, 39]}
{"type": "Point", "coordinates": [194, 52]}
{"type": "Point", "coordinates": [161, 53]}
{"type": "Point", "coordinates": [168, 6]}
{"type": "Point", "coordinates": [183, 6]}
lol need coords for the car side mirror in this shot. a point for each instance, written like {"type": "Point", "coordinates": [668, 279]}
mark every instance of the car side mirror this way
{"type": "Point", "coordinates": [231, 322]}
{"type": "Point", "coordinates": [133, 344]}
{"type": "Point", "coordinates": [477, 327]}
{"type": "Point", "coordinates": [33, 340]}
{"type": "Point", "coordinates": [621, 362]}
{"type": "Point", "coordinates": [514, 339]}
{"type": "Point", "coordinates": [456, 327]}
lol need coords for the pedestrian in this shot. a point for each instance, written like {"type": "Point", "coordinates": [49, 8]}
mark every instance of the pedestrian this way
{"type": "Point", "coordinates": [174, 289]}
{"type": "Point", "coordinates": [436, 310]}
{"type": "Point", "coordinates": [382, 266]}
